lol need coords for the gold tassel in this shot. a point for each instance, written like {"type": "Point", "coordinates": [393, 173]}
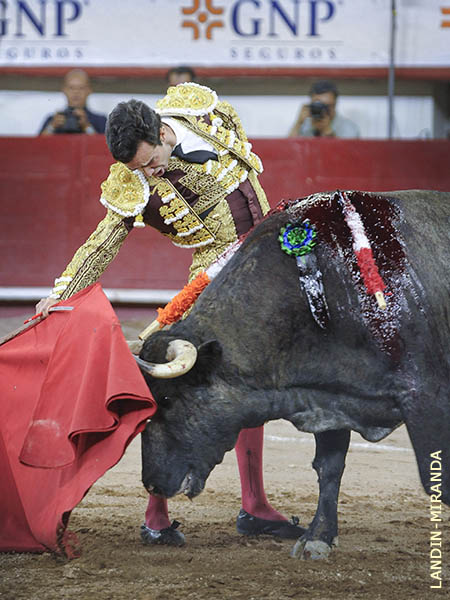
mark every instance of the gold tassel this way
{"type": "Point", "coordinates": [139, 221]}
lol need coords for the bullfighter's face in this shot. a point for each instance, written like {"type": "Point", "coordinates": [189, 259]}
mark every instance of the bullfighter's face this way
{"type": "Point", "coordinates": [153, 160]}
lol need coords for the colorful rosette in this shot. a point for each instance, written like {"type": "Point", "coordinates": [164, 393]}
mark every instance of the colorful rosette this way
{"type": "Point", "coordinates": [298, 239]}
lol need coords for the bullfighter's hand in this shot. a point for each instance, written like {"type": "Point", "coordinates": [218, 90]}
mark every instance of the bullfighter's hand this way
{"type": "Point", "coordinates": [43, 305]}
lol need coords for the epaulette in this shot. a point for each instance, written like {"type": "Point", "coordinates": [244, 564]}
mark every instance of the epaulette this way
{"type": "Point", "coordinates": [125, 192]}
{"type": "Point", "coordinates": [187, 99]}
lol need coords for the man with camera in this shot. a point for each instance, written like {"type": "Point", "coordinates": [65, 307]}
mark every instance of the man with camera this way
{"type": "Point", "coordinates": [76, 118]}
{"type": "Point", "coordinates": [320, 119]}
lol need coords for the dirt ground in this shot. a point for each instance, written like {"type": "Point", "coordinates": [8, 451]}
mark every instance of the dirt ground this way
{"type": "Point", "coordinates": [384, 539]}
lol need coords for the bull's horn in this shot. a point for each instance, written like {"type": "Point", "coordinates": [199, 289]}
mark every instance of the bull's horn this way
{"type": "Point", "coordinates": [182, 356]}
{"type": "Point", "coordinates": [135, 346]}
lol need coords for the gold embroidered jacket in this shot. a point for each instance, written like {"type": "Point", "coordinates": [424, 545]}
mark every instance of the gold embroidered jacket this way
{"type": "Point", "coordinates": [201, 206]}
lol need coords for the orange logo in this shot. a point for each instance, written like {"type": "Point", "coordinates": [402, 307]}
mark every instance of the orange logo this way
{"type": "Point", "coordinates": [446, 22]}
{"type": "Point", "coordinates": [202, 18]}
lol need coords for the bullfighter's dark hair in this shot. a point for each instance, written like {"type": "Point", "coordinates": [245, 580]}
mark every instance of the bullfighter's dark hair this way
{"type": "Point", "coordinates": [322, 87]}
{"type": "Point", "coordinates": [128, 124]}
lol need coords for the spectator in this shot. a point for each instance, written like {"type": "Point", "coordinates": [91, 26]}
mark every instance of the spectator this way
{"type": "Point", "coordinates": [319, 117]}
{"type": "Point", "coordinates": [181, 74]}
{"type": "Point", "coordinates": [76, 118]}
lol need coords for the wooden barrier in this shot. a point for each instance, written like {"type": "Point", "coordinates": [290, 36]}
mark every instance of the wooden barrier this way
{"type": "Point", "coordinates": [50, 189]}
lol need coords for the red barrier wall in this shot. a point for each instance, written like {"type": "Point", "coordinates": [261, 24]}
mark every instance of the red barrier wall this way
{"type": "Point", "coordinates": [50, 188]}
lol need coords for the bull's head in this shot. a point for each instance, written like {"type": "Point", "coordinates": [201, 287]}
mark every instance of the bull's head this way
{"type": "Point", "coordinates": [186, 438]}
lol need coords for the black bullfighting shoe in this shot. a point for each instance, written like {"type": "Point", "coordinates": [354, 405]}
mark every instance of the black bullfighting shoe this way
{"type": "Point", "coordinates": [168, 536]}
{"type": "Point", "coordinates": [248, 525]}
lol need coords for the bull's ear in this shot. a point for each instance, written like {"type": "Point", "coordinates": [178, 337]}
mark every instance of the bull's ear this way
{"type": "Point", "coordinates": [211, 350]}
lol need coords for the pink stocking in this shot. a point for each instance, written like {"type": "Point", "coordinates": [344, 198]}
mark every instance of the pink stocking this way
{"type": "Point", "coordinates": [249, 453]}
{"type": "Point", "coordinates": [157, 514]}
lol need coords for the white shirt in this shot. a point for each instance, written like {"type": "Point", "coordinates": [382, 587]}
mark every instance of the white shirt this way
{"type": "Point", "coordinates": [189, 140]}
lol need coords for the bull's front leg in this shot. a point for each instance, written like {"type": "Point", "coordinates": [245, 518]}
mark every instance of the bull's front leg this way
{"type": "Point", "coordinates": [329, 462]}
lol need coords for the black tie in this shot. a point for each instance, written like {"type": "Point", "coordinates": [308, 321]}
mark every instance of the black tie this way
{"type": "Point", "coordinates": [197, 156]}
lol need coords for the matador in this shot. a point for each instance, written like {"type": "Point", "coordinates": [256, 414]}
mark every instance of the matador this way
{"type": "Point", "coordinates": [188, 170]}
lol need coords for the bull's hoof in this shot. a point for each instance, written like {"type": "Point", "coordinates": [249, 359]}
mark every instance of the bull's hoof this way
{"type": "Point", "coordinates": [310, 549]}
{"type": "Point", "coordinates": [167, 537]}
{"type": "Point", "coordinates": [247, 524]}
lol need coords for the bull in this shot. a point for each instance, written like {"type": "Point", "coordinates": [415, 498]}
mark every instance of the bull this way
{"type": "Point", "coordinates": [321, 354]}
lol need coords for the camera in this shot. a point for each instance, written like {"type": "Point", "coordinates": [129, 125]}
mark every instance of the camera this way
{"type": "Point", "coordinates": [318, 110]}
{"type": "Point", "coordinates": [72, 122]}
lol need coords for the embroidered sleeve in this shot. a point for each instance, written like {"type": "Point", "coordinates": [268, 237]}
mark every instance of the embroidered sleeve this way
{"type": "Point", "coordinates": [92, 258]}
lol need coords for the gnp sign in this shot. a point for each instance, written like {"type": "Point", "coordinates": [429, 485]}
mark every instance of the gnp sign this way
{"type": "Point", "coordinates": [222, 33]}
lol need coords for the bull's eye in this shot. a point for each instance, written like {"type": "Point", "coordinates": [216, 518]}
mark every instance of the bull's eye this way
{"type": "Point", "coordinates": [164, 402]}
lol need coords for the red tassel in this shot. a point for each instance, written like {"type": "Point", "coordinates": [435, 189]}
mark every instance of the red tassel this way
{"type": "Point", "coordinates": [369, 271]}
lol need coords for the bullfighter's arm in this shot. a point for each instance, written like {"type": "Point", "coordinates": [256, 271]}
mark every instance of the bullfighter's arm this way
{"type": "Point", "coordinates": [92, 258]}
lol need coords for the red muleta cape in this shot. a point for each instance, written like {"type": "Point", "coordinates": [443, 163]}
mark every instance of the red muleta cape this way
{"type": "Point", "coordinates": [72, 399]}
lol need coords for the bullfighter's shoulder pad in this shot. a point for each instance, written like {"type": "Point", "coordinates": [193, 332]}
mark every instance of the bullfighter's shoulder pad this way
{"type": "Point", "coordinates": [125, 192]}
{"type": "Point", "coordinates": [187, 99]}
